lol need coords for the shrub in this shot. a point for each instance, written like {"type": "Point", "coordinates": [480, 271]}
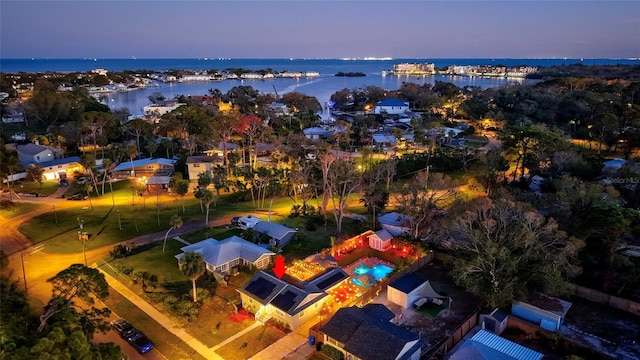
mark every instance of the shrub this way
{"type": "Point", "coordinates": [332, 352]}
{"type": "Point", "coordinates": [120, 251]}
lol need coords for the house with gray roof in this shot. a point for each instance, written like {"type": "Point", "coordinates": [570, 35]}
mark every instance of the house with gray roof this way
{"type": "Point", "coordinates": [222, 256]}
{"type": "Point", "coordinates": [279, 235]}
{"type": "Point", "coordinates": [290, 302]}
{"type": "Point", "coordinates": [145, 168]}
{"type": "Point", "coordinates": [367, 333]}
{"type": "Point", "coordinates": [396, 224]}
{"type": "Point", "coordinates": [33, 154]}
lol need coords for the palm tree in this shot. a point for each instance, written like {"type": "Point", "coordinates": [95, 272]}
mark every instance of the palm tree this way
{"type": "Point", "coordinates": [206, 197]}
{"type": "Point", "coordinates": [192, 266]}
{"type": "Point", "coordinates": [132, 151]}
{"type": "Point", "coordinates": [176, 223]}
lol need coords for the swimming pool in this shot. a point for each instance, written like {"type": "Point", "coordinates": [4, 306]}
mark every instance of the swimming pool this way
{"type": "Point", "coordinates": [379, 271]}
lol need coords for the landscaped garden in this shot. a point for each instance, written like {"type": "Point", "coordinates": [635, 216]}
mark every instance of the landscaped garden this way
{"type": "Point", "coordinates": [154, 275]}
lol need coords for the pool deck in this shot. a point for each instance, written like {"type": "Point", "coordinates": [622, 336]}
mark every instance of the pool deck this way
{"type": "Point", "coordinates": [366, 261]}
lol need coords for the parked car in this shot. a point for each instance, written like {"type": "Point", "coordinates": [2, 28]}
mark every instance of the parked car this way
{"type": "Point", "coordinates": [140, 342]}
{"type": "Point", "coordinates": [81, 181]}
{"type": "Point", "coordinates": [123, 328]}
{"type": "Point", "coordinates": [64, 182]}
{"type": "Point", "coordinates": [234, 221]}
{"type": "Point", "coordinates": [78, 197]}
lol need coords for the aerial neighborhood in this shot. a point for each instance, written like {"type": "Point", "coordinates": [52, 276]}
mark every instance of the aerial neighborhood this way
{"type": "Point", "coordinates": [430, 221]}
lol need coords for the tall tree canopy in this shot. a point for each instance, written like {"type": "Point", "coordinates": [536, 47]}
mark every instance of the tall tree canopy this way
{"type": "Point", "coordinates": [512, 251]}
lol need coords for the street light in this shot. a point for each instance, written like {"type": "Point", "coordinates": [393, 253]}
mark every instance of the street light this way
{"type": "Point", "coordinates": [119, 222]}
{"type": "Point", "coordinates": [55, 214]}
{"type": "Point", "coordinates": [82, 236]}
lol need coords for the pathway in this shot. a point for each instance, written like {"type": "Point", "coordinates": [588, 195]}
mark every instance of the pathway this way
{"type": "Point", "coordinates": [237, 335]}
{"type": "Point", "coordinates": [161, 318]}
{"type": "Point", "coordinates": [178, 238]}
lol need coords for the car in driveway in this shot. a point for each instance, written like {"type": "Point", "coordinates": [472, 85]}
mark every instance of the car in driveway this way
{"type": "Point", "coordinates": [140, 342]}
{"type": "Point", "coordinates": [235, 221]}
{"type": "Point", "coordinates": [123, 328]}
{"type": "Point", "coordinates": [78, 197]}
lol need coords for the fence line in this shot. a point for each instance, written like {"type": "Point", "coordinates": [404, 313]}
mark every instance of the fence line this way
{"type": "Point", "coordinates": [599, 297]}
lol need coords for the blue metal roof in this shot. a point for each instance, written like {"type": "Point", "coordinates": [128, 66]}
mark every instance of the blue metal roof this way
{"type": "Point", "coordinates": [504, 346]}
{"type": "Point", "coordinates": [62, 161]}
{"type": "Point", "coordinates": [391, 102]}
{"type": "Point", "coordinates": [126, 165]}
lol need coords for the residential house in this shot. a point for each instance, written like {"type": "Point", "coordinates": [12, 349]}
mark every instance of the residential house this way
{"type": "Point", "coordinates": [279, 235]}
{"type": "Point", "coordinates": [155, 111]}
{"type": "Point", "coordinates": [201, 163]}
{"type": "Point", "coordinates": [316, 133]}
{"type": "Point", "coordinates": [408, 289]}
{"type": "Point", "coordinates": [222, 256]}
{"type": "Point", "coordinates": [34, 154]}
{"type": "Point", "coordinates": [144, 169]}
{"type": "Point", "coordinates": [546, 311]}
{"type": "Point", "coordinates": [395, 223]}
{"type": "Point", "coordinates": [380, 240]}
{"type": "Point", "coordinates": [391, 107]}
{"type": "Point", "coordinates": [13, 114]}
{"type": "Point", "coordinates": [481, 344]}
{"type": "Point", "coordinates": [383, 139]}
{"type": "Point", "coordinates": [367, 333]}
{"type": "Point", "coordinates": [269, 297]}
{"type": "Point", "coordinates": [218, 150]}
{"type": "Point", "coordinates": [61, 168]}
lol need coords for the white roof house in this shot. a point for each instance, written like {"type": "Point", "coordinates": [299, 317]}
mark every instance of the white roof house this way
{"type": "Point", "coordinates": [391, 106]}
{"type": "Point", "coordinates": [222, 256]}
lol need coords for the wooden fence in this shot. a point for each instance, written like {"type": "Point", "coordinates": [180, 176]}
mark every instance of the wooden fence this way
{"type": "Point", "coordinates": [606, 299]}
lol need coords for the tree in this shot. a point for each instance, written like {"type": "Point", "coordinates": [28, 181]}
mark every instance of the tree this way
{"type": "Point", "coordinates": [75, 282]}
{"type": "Point", "coordinates": [179, 186]}
{"type": "Point", "coordinates": [132, 152]}
{"type": "Point", "coordinates": [137, 128]}
{"type": "Point", "coordinates": [206, 197]}
{"type": "Point", "coordinates": [423, 199]}
{"type": "Point", "coordinates": [192, 266]}
{"type": "Point", "coordinates": [176, 223]}
{"type": "Point", "coordinates": [35, 173]}
{"type": "Point", "coordinates": [512, 251]}
{"type": "Point", "coordinates": [225, 126]}
{"type": "Point", "coordinates": [95, 122]}
{"type": "Point", "coordinates": [342, 181]}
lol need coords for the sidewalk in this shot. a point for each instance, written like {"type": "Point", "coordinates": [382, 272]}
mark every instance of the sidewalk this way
{"type": "Point", "coordinates": [162, 319]}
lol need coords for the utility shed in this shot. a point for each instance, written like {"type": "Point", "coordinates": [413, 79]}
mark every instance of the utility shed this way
{"type": "Point", "coordinates": [494, 321]}
{"type": "Point", "coordinates": [408, 289]}
{"type": "Point", "coordinates": [546, 311]}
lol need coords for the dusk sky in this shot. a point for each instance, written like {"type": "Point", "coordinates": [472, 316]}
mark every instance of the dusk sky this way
{"type": "Point", "coordinates": [319, 29]}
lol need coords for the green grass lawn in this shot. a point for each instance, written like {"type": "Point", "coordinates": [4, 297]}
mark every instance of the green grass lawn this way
{"type": "Point", "coordinates": [218, 233]}
{"type": "Point", "coordinates": [250, 343]}
{"type": "Point", "coordinates": [163, 340]}
{"type": "Point", "coordinates": [213, 324]}
{"type": "Point", "coordinates": [47, 188]}
{"type": "Point", "coordinates": [9, 210]}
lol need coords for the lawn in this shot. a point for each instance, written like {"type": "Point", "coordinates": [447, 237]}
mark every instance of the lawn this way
{"type": "Point", "coordinates": [213, 324]}
{"type": "Point", "coordinates": [102, 223]}
{"type": "Point", "coordinates": [11, 209]}
{"type": "Point", "coordinates": [250, 343]}
{"type": "Point", "coordinates": [47, 188]}
{"type": "Point", "coordinates": [218, 233]}
{"type": "Point", "coordinates": [163, 340]}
